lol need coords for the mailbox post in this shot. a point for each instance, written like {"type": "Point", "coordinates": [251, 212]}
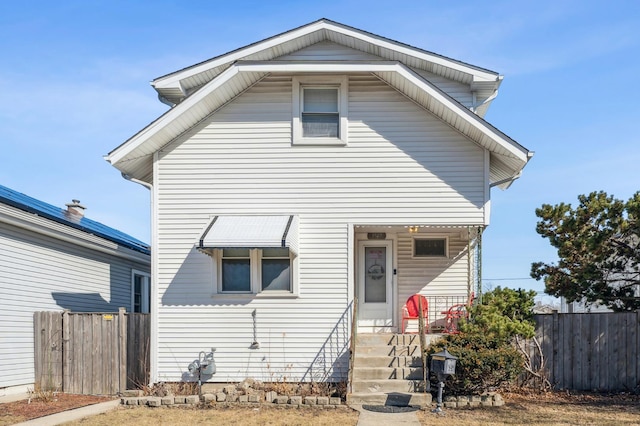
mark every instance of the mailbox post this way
{"type": "Point", "coordinates": [443, 364]}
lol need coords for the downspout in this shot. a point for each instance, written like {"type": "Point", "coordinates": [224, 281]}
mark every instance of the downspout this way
{"type": "Point", "coordinates": [153, 308]}
{"type": "Point", "coordinates": [479, 243]}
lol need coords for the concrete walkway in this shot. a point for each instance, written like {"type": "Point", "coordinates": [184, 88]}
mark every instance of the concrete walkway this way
{"type": "Point", "coordinates": [71, 415]}
{"type": "Point", "coordinates": [375, 418]}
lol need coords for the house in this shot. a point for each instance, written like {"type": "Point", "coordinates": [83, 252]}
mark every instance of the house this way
{"type": "Point", "coordinates": [302, 178]}
{"type": "Point", "coordinates": [53, 259]}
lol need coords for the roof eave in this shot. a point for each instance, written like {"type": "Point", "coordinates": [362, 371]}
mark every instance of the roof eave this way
{"type": "Point", "coordinates": [173, 81]}
{"type": "Point", "coordinates": [121, 155]}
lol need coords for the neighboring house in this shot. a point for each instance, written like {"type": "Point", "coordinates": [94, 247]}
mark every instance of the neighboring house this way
{"type": "Point", "coordinates": [301, 173]}
{"type": "Point", "coordinates": [581, 307]}
{"type": "Point", "coordinates": [53, 259]}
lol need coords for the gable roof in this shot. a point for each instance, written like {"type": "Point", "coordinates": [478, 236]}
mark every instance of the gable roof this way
{"type": "Point", "coordinates": [174, 87]}
{"type": "Point", "coordinates": [62, 216]}
{"type": "Point", "coordinates": [210, 85]}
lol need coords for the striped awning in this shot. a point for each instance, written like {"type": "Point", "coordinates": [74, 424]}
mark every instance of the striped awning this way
{"type": "Point", "coordinates": [251, 232]}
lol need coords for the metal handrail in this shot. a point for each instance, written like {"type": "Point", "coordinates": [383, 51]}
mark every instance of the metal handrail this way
{"type": "Point", "coordinates": [352, 343]}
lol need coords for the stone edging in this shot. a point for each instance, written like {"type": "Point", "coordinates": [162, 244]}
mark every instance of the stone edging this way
{"type": "Point", "coordinates": [494, 400]}
{"type": "Point", "coordinates": [136, 398]}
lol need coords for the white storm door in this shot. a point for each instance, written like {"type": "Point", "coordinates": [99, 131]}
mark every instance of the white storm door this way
{"type": "Point", "coordinates": [375, 284]}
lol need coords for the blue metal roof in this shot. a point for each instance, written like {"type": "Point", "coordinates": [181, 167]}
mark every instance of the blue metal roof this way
{"type": "Point", "coordinates": [40, 208]}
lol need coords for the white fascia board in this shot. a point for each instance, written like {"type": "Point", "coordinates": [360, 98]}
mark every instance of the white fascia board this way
{"type": "Point", "coordinates": [152, 129]}
{"type": "Point", "coordinates": [467, 115]}
{"type": "Point", "coordinates": [315, 67]}
{"type": "Point", "coordinates": [173, 80]}
{"type": "Point", "coordinates": [478, 74]}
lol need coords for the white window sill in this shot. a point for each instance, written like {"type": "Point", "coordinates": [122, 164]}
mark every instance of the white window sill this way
{"type": "Point", "coordinates": [319, 142]}
{"type": "Point", "coordinates": [246, 296]}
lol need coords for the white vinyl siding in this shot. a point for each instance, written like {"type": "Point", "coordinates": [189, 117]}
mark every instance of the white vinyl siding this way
{"type": "Point", "coordinates": [41, 273]}
{"type": "Point", "coordinates": [402, 166]}
{"type": "Point", "coordinates": [434, 276]}
{"type": "Point", "coordinates": [328, 51]}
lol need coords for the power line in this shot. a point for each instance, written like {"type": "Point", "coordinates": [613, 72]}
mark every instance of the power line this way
{"type": "Point", "coordinates": [507, 279]}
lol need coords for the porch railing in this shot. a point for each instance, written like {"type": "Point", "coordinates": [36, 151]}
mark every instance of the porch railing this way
{"type": "Point", "coordinates": [437, 305]}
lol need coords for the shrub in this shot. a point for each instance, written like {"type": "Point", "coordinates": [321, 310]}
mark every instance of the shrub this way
{"type": "Point", "coordinates": [483, 365]}
{"type": "Point", "coordinates": [487, 356]}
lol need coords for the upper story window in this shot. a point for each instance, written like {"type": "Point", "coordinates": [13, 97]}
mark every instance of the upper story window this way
{"type": "Point", "coordinates": [320, 110]}
{"type": "Point", "coordinates": [320, 115]}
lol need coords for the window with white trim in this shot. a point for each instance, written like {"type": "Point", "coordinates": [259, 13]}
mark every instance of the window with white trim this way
{"type": "Point", "coordinates": [319, 110]}
{"type": "Point", "coordinates": [430, 247]}
{"type": "Point", "coordinates": [140, 292]}
{"type": "Point", "coordinates": [252, 271]}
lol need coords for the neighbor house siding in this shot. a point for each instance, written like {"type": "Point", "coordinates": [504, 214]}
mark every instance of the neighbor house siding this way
{"type": "Point", "coordinates": [41, 273]}
{"type": "Point", "coordinates": [401, 165]}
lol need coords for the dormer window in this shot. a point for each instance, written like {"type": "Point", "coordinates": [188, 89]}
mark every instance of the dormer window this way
{"type": "Point", "coordinates": [319, 110]}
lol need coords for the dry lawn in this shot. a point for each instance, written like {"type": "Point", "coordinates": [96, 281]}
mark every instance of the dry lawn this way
{"type": "Point", "coordinates": [263, 415]}
{"type": "Point", "coordinates": [546, 409]}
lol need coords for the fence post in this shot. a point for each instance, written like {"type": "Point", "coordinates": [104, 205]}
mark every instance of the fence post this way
{"type": "Point", "coordinates": [122, 350]}
{"type": "Point", "coordinates": [555, 342]}
{"type": "Point", "coordinates": [66, 351]}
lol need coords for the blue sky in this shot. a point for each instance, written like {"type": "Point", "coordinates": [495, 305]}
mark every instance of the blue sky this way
{"type": "Point", "coordinates": [74, 85]}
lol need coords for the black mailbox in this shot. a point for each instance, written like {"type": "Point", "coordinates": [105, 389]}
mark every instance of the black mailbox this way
{"type": "Point", "coordinates": [443, 363]}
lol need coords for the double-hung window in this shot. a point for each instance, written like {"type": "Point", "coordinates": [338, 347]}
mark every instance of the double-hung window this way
{"type": "Point", "coordinates": [320, 117]}
{"type": "Point", "coordinates": [319, 110]}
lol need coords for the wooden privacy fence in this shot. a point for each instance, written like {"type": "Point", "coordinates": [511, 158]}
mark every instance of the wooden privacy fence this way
{"type": "Point", "coordinates": [591, 351]}
{"type": "Point", "coordinates": [91, 353]}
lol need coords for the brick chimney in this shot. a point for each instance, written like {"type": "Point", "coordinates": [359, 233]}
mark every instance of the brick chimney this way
{"type": "Point", "coordinates": [75, 208]}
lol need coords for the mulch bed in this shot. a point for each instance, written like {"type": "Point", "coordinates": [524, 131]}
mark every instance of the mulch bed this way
{"type": "Point", "coordinates": [25, 410]}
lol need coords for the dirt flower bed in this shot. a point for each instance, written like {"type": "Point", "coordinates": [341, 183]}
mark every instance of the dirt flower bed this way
{"type": "Point", "coordinates": [19, 411]}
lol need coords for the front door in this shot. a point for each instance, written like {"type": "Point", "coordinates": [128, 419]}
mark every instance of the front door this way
{"type": "Point", "coordinates": [375, 286]}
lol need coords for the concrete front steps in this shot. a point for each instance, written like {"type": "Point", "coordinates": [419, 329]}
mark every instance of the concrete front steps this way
{"type": "Point", "coordinates": [387, 370]}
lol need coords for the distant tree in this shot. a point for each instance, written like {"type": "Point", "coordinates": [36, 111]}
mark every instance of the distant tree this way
{"type": "Point", "coordinates": [598, 246]}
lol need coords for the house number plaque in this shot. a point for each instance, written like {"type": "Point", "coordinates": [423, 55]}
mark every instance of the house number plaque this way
{"type": "Point", "coordinates": [376, 236]}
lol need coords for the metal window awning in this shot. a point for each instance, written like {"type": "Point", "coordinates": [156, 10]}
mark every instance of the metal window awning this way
{"type": "Point", "coordinates": [251, 232]}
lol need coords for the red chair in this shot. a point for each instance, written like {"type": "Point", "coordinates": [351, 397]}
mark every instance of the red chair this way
{"type": "Point", "coordinates": [453, 315]}
{"type": "Point", "coordinates": [411, 310]}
